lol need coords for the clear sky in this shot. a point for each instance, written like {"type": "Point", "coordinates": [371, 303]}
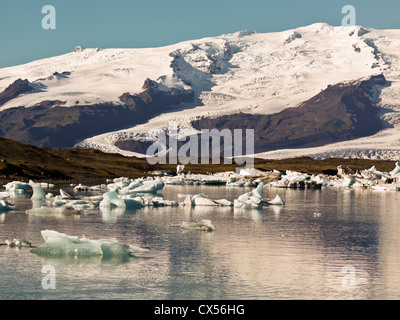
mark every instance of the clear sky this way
{"type": "Point", "coordinates": [153, 23]}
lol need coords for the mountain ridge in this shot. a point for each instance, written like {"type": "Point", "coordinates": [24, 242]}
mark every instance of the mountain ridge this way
{"type": "Point", "coordinates": [244, 72]}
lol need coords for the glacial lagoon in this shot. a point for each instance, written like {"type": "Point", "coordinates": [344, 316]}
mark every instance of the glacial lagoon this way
{"type": "Point", "coordinates": [330, 243]}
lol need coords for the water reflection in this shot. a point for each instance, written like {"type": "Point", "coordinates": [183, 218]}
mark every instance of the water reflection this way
{"type": "Point", "coordinates": [293, 252]}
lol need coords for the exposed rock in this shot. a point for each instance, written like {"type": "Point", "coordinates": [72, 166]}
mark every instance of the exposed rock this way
{"type": "Point", "coordinates": [50, 125]}
{"type": "Point", "coordinates": [15, 89]}
{"type": "Point", "coordinates": [340, 112]}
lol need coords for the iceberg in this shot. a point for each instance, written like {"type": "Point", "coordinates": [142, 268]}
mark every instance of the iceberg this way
{"type": "Point", "coordinates": [60, 244]}
{"type": "Point", "coordinates": [149, 187]}
{"type": "Point", "coordinates": [396, 170]}
{"type": "Point", "coordinates": [17, 187]}
{"type": "Point", "coordinates": [203, 200]}
{"type": "Point", "coordinates": [203, 225]}
{"type": "Point", "coordinates": [179, 169]}
{"type": "Point", "coordinates": [111, 200]}
{"type": "Point", "coordinates": [19, 243]}
{"type": "Point", "coordinates": [276, 201]}
{"type": "Point", "coordinates": [38, 192]}
{"type": "Point", "coordinates": [63, 210]}
{"type": "Point", "coordinates": [65, 195]}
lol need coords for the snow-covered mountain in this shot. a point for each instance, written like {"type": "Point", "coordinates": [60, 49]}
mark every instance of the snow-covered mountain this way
{"type": "Point", "coordinates": [248, 72]}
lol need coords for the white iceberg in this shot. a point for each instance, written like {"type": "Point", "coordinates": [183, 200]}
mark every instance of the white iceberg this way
{"type": "Point", "coordinates": [62, 210]}
{"type": "Point", "coordinates": [276, 201]}
{"type": "Point", "coordinates": [17, 187]}
{"type": "Point", "coordinates": [203, 225]}
{"type": "Point", "coordinates": [203, 200]}
{"type": "Point", "coordinates": [38, 192]}
{"type": "Point", "coordinates": [111, 200]}
{"type": "Point", "coordinates": [179, 169]}
{"type": "Point", "coordinates": [19, 243]}
{"type": "Point", "coordinates": [60, 244]}
{"type": "Point", "coordinates": [396, 170]}
{"type": "Point", "coordinates": [65, 195]}
{"type": "Point", "coordinates": [151, 186]}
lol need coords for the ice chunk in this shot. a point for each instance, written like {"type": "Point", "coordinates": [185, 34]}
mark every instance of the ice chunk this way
{"type": "Point", "coordinates": [224, 202]}
{"type": "Point", "coordinates": [150, 187]}
{"type": "Point", "coordinates": [17, 187]}
{"type": "Point", "coordinates": [4, 195]}
{"type": "Point", "coordinates": [179, 169]}
{"type": "Point", "coordinates": [161, 202]}
{"type": "Point", "coordinates": [202, 200]}
{"type": "Point", "coordinates": [43, 210]}
{"type": "Point", "coordinates": [233, 182]}
{"type": "Point", "coordinates": [81, 187]}
{"type": "Point", "coordinates": [60, 244]}
{"type": "Point", "coordinates": [111, 199]}
{"type": "Point", "coordinates": [38, 192]}
{"type": "Point", "coordinates": [203, 225]}
{"type": "Point", "coordinates": [19, 243]}
{"type": "Point", "coordinates": [277, 201]}
{"type": "Point", "coordinates": [251, 199]}
{"type": "Point", "coordinates": [396, 170]}
{"type": "Point", "coordinates": [65, 195]}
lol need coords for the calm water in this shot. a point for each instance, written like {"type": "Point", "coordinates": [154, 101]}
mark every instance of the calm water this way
{"type": "Point", "coordinates": [273, 253]}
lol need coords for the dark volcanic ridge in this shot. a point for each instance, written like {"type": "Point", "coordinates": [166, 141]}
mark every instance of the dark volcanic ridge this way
{"type": "Point", "coordinates": [49, 124]}
{"type": "Point", "coordinates": [341, 112]}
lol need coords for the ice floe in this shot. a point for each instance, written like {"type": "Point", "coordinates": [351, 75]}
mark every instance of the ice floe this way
{"type": "Point", "coordinates": [60, 244]}
{"type": "Point", "coordinates": [202, 225]}
{"type": "Point", "coordinates": [19, 243]}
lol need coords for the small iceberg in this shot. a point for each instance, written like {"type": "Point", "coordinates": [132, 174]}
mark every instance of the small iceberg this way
{"type": "Point", "coordinates": [203, 200]}
{"type": "Point", "coordinates": [250, 200]}
{"type": "Point", "coordinates": [38, 192]}
{"type": "Point", "coordinates": [203, 225]}
{"type": "Point", "coordinates": [18, 243]}
{"type": "Point", "coordinates": [63, 210]}
{"type": "Point", "coordinates": [276, 201]}
{"type": "Point", "coordinates": [60, 244]}
{"type": "Point", "coordinates": [111, 200]}
{"type": "Point", "coordinates": [17, 187]}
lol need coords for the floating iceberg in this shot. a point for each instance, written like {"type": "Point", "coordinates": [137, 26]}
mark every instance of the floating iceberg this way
{"type": "Point", "coordinates": [151, 186]}
{"type": "Point", "coordinates": [111, 200]}
{"type": "Point", "coordinates": [203, 200]}
{"type": "Point", "coordinates": [38, 192]}
{"type": "Point", "coordinates": [136, 186]}
{"type": "Point", "coordinates": [18, 243]}
{"type": "Point", "coordinates": [203, 225]}
{"type": "Point", "coordinates": [65, 195]}
{"type": "Point", "coordinates": [252, 199]}
{"type": "Point", "coordinates": [276, 201]}
{"type": "Point", "coordinates": [43, 210]}
{"type": "Point", "coordinates": [17, 187]}
{"type": "Point", "coordinates": [179, 169]}
{"type": "Point", "coordinates": [396, 170]}
{"type": "Point", "coordinates": [60, 244]}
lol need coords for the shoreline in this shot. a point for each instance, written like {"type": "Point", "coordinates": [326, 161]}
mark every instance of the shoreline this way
{"type": "Point", "coordinates": [136, 168]}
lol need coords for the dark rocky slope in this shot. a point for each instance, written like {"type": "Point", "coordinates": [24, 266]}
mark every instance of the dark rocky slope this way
{"type": "Point", "coordinates": [49, 124]}
{"type": "Point", "coordinates": [340, 112]}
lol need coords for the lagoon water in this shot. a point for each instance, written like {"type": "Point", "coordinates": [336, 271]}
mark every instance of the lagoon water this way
{"type": "Point", "coordinates": [324, 244]}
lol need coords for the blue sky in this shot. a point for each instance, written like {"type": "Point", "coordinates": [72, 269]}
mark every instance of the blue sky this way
{"type": "Point", "coordinates": [134, 24]}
